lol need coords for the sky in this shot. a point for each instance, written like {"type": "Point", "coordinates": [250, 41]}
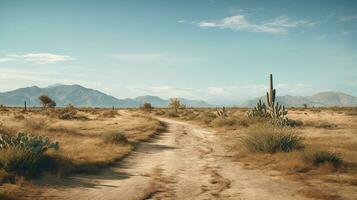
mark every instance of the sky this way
{"type": "Point", "coordinates": [221, 51]}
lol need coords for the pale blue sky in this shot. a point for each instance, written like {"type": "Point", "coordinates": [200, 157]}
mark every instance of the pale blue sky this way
{"type": "Point", "coordinates": [219, 51]}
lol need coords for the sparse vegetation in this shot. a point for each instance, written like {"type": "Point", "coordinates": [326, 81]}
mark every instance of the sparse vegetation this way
{"type": "Point", "coordinates": [272, 111]}
{"type": "Point", "coordinates": [146, 107]}
{"type": "Point", "coordinates": [271, 139]}
{"type": "Point", "coordinates": [322, 157]}
{"type": "Point", "coordinates": [115, 138]}
{"type": "Point", "coordinates": [46, 101]}
{"type": "Point", "coordinates": [175, 104]}
{"type": "Point", "coordinates": [109, 114]}
{"type": "Point", "coordinates": [21, 154]}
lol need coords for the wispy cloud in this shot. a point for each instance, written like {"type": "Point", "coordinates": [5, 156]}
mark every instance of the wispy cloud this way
{"type": "Point", "coordinates": [345, 33]}
{"type": "Point", "coordinates": [239, 22]}
{"type": "Point", "coordinates": [37, 58]}
{"type": "Point", "coordinates": [150, 58]}
{"type": "Point", "coordinates": [348, 18]}
{"type": "Point", "coordinates": [181, 21]}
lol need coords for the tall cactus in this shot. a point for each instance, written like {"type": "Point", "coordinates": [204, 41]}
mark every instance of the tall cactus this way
{"type": "Point", "coordinates": [271, 95]}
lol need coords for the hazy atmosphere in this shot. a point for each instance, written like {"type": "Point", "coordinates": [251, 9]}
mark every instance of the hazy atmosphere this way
{"type": "Point", "coordinates": [217, 51]}
{"type": "Point", "coordinates": [178, 99]}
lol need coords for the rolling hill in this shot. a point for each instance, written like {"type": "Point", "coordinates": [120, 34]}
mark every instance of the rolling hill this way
{"type": "Point", "coordinates": [329, 98]}
{"type": "Point", "coordinates": [82, 96]}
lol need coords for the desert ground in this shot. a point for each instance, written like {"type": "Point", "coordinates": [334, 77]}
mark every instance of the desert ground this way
{"type": "Point", "coordinates": [187, 153]}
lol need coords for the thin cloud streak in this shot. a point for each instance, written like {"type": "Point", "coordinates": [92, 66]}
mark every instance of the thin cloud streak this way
{"type": "Point", "coordinates": [37, 58]}
{"type": "Point", "coordinates": [239, 22]}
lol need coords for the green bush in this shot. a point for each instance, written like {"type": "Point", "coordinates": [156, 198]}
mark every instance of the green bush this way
{"type": "Point", "coordinates": [115, 138]}
{"type": "Point", "coordinates": [271, 139]}
{"type": "Point", "coordinates": [320, 157]}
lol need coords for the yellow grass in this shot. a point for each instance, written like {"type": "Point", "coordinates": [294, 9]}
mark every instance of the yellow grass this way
{"type": "Point", "coordinates": [82, 143]}
{"type": "Point", "coordinates": [331, 130]}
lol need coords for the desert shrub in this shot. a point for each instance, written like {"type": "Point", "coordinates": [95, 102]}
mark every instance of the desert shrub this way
{"type": "Point", "coordinates": [188, 115]}
{"type": "Point", "coordinates": [171, 113]}
{"type": "Point", "coordinates": [146, 107]}
{"type": "Point", "coordinates": [70, 113]}
{"type": "Point", "coordinates": [175, 104]}
{"type": "Point", "coordinates": [18, 160]}
{"type": "Point", "coordinates": [271, 139]}
{"type": "Point", "coordinates": [207, 117]}
{"type": "Point", "coordinates": [115, 138]}
{"type": "Point", "coordinates": [46, 101]}
{"type": "Point", "coordinates": [22, 154]}
{"type": "Point", "coordinates": [109, 114]}
{"type": "Point", "coordinates": [321, 157]}
{"type": "Point", "coordinates": [285, 122]}
{"type": "Point", "coordinates": [223, 121]}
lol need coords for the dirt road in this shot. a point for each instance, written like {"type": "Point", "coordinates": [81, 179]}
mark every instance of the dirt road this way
{"type": "Point", "coordinates": [186, 162]}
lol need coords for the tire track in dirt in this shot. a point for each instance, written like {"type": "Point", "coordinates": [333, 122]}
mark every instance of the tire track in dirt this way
{"type": "Point", "coordinates": [186, 162]}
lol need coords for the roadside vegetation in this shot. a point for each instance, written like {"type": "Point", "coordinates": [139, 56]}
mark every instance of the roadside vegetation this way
{"type": "Point", "coordinates": [316, 146]}
{"type": "Point", "coordinates": [62, 141]}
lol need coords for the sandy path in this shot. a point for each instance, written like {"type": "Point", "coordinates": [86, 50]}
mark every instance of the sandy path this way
{"type": "Point", "coordinates": [184, 163]}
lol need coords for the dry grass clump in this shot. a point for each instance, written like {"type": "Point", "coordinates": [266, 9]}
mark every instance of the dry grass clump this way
{"type": "Point", "coordinates": [70, 113]}
{"type": "Point", "coordinates": [19, 161]}
{"type": "Point", "coordinates": [231, 121]}
{"type": "Point", "coordinates": [270, 139]}
{"type": "Point", "coordinates": [207, 117]}
{"type": "Point", "coordinates": [188, 114]}
{"type": "Point", "coordinates": [109, 114]}
{"type": "Point", "coordinates": [35, 123]}
{"type": "Point", "coordinates": [322, 157]}
{"type": "Point", "coordinates": [223, 121]}
{"type": "Point", "coordinates": [320, 124]}
{"type": "Point", "coordinates": [115, 138]}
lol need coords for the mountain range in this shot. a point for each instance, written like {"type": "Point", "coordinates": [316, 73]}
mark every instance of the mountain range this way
{"type": "Point", "coordinates": [322, 99]}
{"type": "Point", "coordinates": [81, 96]}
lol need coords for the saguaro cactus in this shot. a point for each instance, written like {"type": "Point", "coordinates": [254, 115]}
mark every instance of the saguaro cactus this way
{"type": "Point", "coordinates": [271, 95]}
{"type": "Point", "coordinates": [25, 106]}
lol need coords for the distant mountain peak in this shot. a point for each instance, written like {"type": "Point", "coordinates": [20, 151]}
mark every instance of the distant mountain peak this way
{"type": "Point", "coordinates": [54, 85]}
{"type": "Point", "coordinates": [325, 98]}
{"type": "Point", "coordinates": [82, 96]}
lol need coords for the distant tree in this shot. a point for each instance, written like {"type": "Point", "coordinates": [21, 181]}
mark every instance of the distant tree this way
{"type": "Point", "coordinates": [146, 107]}
{"type": "Point", "coordinates": [46, 101]}
{"type": "Point", "coordinates": [175, 104]}
{"type": "Point", "coordinates": [304, 105]}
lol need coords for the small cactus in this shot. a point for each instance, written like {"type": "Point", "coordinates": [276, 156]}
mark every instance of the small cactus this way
{"type": "Point", "coordinates": [260, 110]}
{"type": "Point", "coordinates": [222, 113]}
{"type": "Point", "coordinates": [37, 144]}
